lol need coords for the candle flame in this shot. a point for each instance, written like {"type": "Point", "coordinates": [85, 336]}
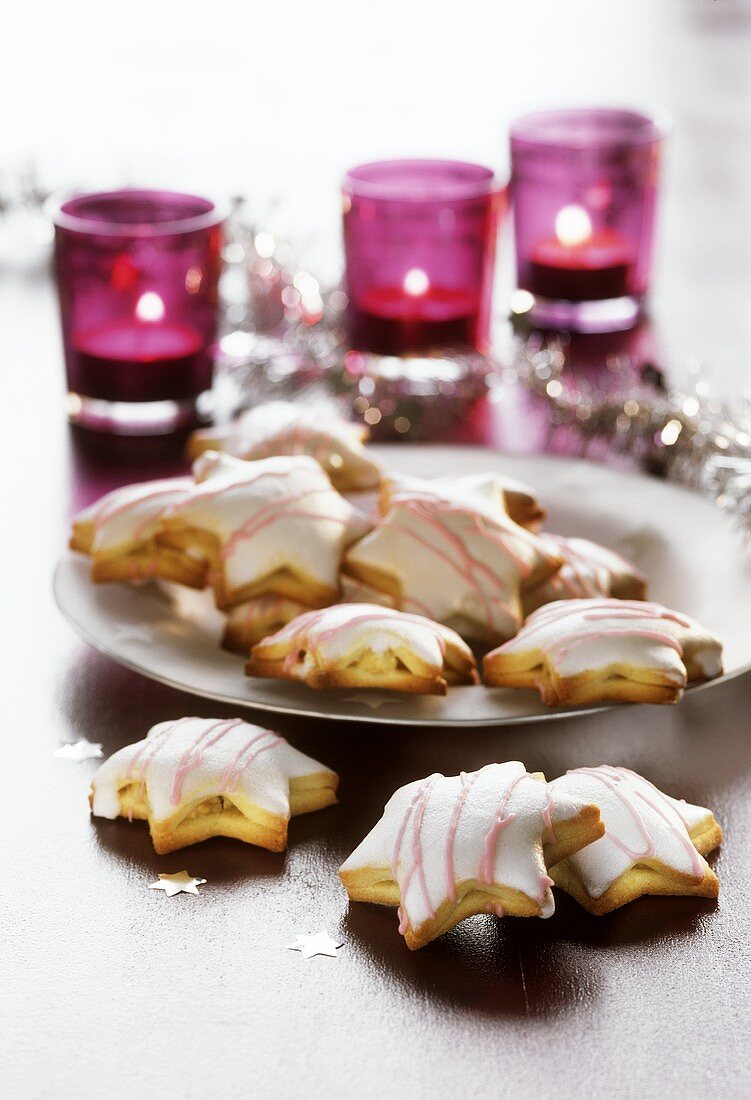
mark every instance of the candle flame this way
{"type": "Point", "coordinates": [416, 282]}
{"type": "Point", "coordinates": [150, 307]}
{"type": "Point", "coordinates": [573, 225]}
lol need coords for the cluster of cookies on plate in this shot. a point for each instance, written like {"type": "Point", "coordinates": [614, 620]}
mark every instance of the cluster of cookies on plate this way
{"type": "Point", "coordinates": [446, 848]}
{"type": "Point", "coordinates": [402, 597]}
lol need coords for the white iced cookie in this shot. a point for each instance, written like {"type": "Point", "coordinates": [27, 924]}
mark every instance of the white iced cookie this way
{"type": "Point", "coordinates": [653, 844]}
{"type": "Point", "coordinates": [602, 650]}
{"type": "Point", "coordinates": [365, 646]}
{"type": "Point", "coordinates": [195, 778]}
{"type": "Point", "coordinates": [287, 428]}
{"type": "Point", "coordinates": [588, 571]}
{"type": "Point", "coordinates": [519, 500]}
{"type": "Point", "coordinates": [447, 848]}
{"type": "Point", "coordinates": [447, 549]}
{"type": "Point", "coordinates": [249, 622]}
{"type": "Point", "coordinates": [119, 532]}
{"type": "Point", "coordinates": [272, 526]}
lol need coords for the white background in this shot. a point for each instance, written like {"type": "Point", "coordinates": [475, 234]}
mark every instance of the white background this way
{"type": "Point", "coordinates": [273, 100]}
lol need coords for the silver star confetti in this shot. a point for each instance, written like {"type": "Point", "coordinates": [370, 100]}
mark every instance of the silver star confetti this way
{"type": "Point", "coordinates": [79, 751]}
{"type": "Point", "coordinates": [180, 883]}
{"type": "Point", "coordinates": [319, 944]}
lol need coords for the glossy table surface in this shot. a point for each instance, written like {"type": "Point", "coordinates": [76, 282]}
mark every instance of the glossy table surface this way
{"type": "Point", "coordinates": [113, 990]}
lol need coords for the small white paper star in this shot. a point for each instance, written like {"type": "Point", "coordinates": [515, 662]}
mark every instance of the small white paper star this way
{"type": "Point", "coordinates": [181, 882]}
{"type": "Point", "coordinates": [79, 750]}
{"type": "Point", "coordinates": [319, 944]}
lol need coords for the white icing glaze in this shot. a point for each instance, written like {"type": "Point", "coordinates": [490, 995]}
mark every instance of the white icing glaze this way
{"type": "Point", "coordinates": [487, 826]}
{"type": "Point", "coordinates": [186, 761]}
{"type": "Point", "coordinates": [131, 515]}
{"type": "Point", "coordinates": [640, 823]}
{"type": "Point", "coordinates": [345, 630]}
{"type": "Point", "coordinates": [588, 571]}
{"type": "Point", "coordinates": [284, 427]}
{"type": "Point", "coordinates": [277, 513]}
{"type": "Point", "coordinates": [577, 635]}
{"type": "Point", "coordinates": [457, 556]}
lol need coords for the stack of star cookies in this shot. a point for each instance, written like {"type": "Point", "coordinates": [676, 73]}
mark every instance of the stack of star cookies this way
{"type": "Point", "coordinates": [404, 598]}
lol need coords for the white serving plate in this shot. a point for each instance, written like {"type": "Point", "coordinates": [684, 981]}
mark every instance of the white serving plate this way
{"type": "Point", "coordinates": [689, 550]}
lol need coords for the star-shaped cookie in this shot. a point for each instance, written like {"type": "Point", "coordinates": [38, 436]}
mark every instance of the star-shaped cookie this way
{"type": "Point", "coordinates": [579, 652]}
{"type": "Point", "coordinates": [447, 549]}
{"type": "Point", "coordinates": [195, 778]}
{"type": "Point", "coordinates": [253, 620]}
{"type": "Point", "coordinates": [653, 844]}
{"type": "Point", "coordinates": [119, 533]}
{"type": "Point", "coordinates": [272, 526]}
{"type": "Point", "coordinates": [288, 428]}
{"type": "Point", "coordinates": [588, 571]}
{"type": "Point", "coordinates": [365, 646]}
{"type": "Point", "coordinates": [448, 848]}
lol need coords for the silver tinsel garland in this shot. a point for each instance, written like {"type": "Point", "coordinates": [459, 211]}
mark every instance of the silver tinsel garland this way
{"type": "Point", "coordinates": [683, 431]}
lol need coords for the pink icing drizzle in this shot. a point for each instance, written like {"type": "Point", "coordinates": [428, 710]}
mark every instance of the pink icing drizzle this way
{"type": "Point", "coordinates": [151, 747]}
{"type": "Point", "coordinates": [463, 562]}
{"type": "Point", "coordinates": [467, 782]}
{"type": "Point", "coordinates": [277, 510]}
{"type": "Point", "coordinates": [193, 755]}
{"type": "Point", "coordinates": [620, 610]}
{"type": "Point", "coordinates": [125, 506]}
{"type": "Point", "coordinates": [501, 821]}
{"type": "Point", "coordinates": [613, 779]}
{"type": "Point", "coordinates": [416, 811]}
{"type": "Point", "coordinates": [248, 753]}
{"type": "Point", "coordinates": [582, 576]}
{"type": "Point", "coordinates": [302, 631]}
{"type": "Point", "coordinates": [547, 815]}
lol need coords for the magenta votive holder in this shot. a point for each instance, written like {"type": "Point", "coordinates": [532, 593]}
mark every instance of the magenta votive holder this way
{"type": "Point", "coordinates": [419, 242]}
{"type": "Point", "coordinates": [584, 185]}
{"type": "Point", "coordinates": [138, 276]}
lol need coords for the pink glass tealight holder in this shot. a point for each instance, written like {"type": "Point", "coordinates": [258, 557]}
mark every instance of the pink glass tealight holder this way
{"type": "Point", "coordinates": [138, 275]}
{"type": "Point", "coordinates": [419, 241]}
{"type": "Point", "coordinates": [584, 185]}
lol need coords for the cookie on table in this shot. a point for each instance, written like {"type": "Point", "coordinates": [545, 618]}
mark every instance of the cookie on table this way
{"type": "Point", "coordinates": [365, 646]}
{"type": "Point", "coordinates": [272, 526]}
{"type": "Point", "coordinates": [588, 571]}
{"type": "Point", "coordinates": [603, 650]}
{"type": "Point", "coordinates": [119, 532]}
{"type": "Point", "coordinates": [286, 428]}
{"type": "Point", "coordinates": [249, 622]}
{"type": "Point", "coordinates": [653, 844]}
{"type": "Point", "coordinates": [447, 549]}
{"type": "Point", "coordinates": [448, 848]}
{"type": "Point", "coordinates": [197, 778]}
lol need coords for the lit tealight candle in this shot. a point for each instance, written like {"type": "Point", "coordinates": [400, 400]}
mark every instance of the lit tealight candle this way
{"type": "Point", "coordinates": [416, 282]}
{"type": "Point", "coordinates": [573, 225]}
{"type": "Point", "coordinates": [581, 263]}
{"type": "Point", "coordinates": [150, 307]}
